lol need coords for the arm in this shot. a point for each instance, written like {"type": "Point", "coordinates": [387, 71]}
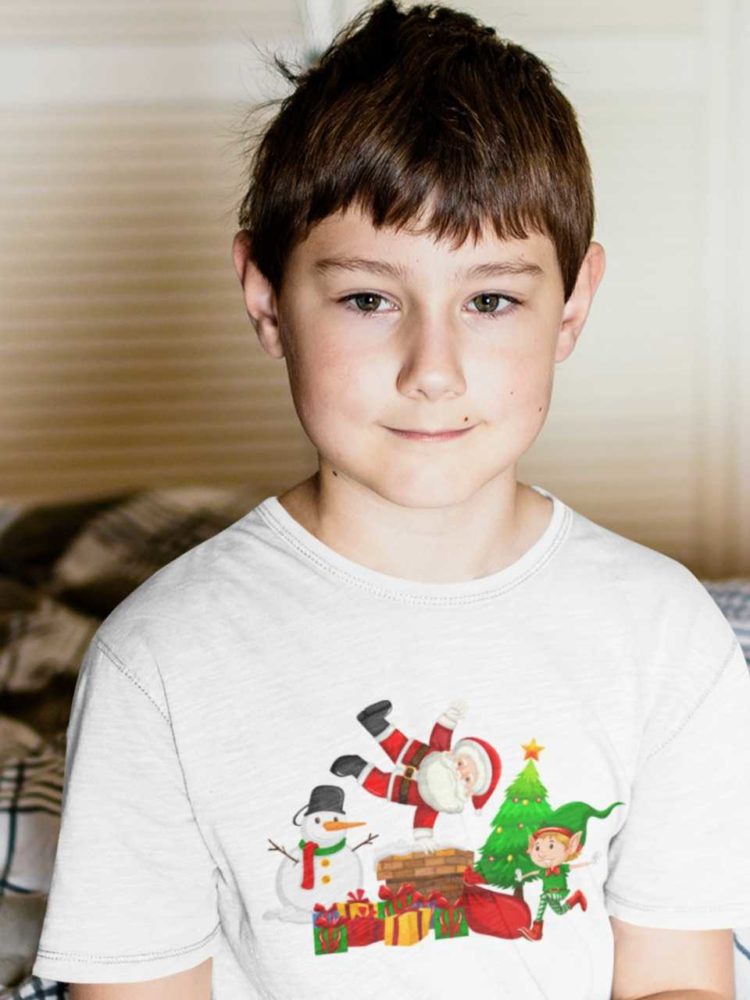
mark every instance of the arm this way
{"type": "Point", "coordinates": [583, 864]}
{"type": "Point", "coordinates": [424, 822]}
{"type": "Point", "coordinates": [442, 731]}
{"type": "Point", "coordinates": [656, 964]}
{"type": "Point", "coordinates": [534, 871]}
{"type": "Point", "coordinates": [192, 984]}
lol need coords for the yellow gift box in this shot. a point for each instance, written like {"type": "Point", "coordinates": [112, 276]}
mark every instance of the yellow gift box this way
{"type": "Point", "coordinates": [407, 928]}
{"type": "Point", "coordinates": [358, 909]}
{"type": "Point", "coordinates": [357, 905]}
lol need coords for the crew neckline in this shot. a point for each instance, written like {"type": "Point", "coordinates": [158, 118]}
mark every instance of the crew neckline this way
{"type": "Point", "coordinates": [276, 516]}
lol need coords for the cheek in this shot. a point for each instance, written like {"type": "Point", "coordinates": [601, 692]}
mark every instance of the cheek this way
{"type": "Point", "coordinates": [336, 388]}
{"type": "Point", "coordinates": [518, 378]}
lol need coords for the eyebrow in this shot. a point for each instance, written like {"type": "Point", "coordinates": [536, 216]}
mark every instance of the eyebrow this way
{"type": "Point", "coordinates": [492, 269]}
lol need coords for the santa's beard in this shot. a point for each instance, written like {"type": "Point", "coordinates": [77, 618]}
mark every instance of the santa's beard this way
{"type": "Point", "coordinates": [440, 784]}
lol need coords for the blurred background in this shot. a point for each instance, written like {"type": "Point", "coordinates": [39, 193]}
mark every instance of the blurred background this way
{"type": "Point", "coordinates": [139, 415]}
{"type": "Point", "coordinates": [126, 358]}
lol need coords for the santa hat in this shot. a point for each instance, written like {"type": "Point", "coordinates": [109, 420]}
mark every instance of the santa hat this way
{"type": "Point", "coordinates": [487, 761]}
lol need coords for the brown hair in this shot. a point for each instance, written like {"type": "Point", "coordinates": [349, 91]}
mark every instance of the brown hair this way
{"type": "Point", "coordinates": [407, 105]}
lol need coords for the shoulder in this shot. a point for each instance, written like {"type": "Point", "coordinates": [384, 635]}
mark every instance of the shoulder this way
{"type": "Point", "coordinates": [664, 628]}
{"type": "Point", "coordinates": [647, 612]}
{"type": "Point", "coordinates": [602, 552]}
{"type": "Point", "coordinates": [197, 597]}
{"type": "Point", "coordinates": [658, 589]}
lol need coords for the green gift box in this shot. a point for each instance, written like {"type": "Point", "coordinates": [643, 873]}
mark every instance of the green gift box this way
{"type": "Point", "coordinates": [331, 934]}
{"type": "Point", "coordinates": [405, 898]}
{"type": "Point", "coordinates": [450, 922]}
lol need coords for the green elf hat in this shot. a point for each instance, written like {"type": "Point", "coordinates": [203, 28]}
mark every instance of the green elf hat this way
{"type": "Point", "coordinates": [572, 818]}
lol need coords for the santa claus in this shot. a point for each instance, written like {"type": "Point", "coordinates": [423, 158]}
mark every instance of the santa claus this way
{"type": "Point", "coordinates": [431, 776]}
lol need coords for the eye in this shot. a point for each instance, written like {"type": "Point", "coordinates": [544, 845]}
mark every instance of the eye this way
{"type": "Point", "coordinates": [317, 819]}
{"type": "Point", "coordinates": [489, 302]}
{"type": "Point", "coordinates": [366, 299]}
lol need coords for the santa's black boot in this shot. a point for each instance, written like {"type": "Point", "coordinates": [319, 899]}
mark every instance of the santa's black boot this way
{"type": "Point", "coordinates": [349, 764]}
{"type": "Point", "coordinates": [373, 717]}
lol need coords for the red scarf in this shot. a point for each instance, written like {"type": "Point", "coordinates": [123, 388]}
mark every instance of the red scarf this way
{"type": "Point", "coordinates": [555, 870]}
{"type": "Point", "coordinates": [308, 863]}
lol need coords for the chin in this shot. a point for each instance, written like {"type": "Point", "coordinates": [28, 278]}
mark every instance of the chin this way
{"type": "Point", "coordinates": [426, 496]}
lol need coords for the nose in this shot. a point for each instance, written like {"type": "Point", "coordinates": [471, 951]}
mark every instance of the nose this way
{"type": "Point", "coordinates": [431, 362]}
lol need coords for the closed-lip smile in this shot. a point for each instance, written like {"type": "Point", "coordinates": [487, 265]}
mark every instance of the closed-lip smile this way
{"type": "Point", "coordinates": [430, 435]}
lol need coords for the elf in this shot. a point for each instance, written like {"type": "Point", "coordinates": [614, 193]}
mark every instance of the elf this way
{"type": "Point", "coordinates": [551, 847]}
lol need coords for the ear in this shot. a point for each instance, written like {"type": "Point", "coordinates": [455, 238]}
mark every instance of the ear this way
{"type": "Point", "coordinates": [576, 309]}
{"type": "Point", "coordinates": [531, 845]}
{"type": "Point", "coordinates": [573, 844]}
{"type": "Point", "coordinates": [260, 298]}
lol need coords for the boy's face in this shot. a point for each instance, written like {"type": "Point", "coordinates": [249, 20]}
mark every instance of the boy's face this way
{"type": "Point", "coordinates": [413, 342]}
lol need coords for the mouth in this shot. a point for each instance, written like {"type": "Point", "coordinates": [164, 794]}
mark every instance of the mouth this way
{"type": "Point", "coordinates": [430, 435]}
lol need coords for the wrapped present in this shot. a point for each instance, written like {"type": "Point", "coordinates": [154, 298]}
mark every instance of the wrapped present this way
{"type": "Point", "coordinates": [408, 927]}
{"type": "Point", "coordinates": [362, 931]}
{"type": "Point", "coordinates": [403, 899]}
{"type": "Point", "coordinates": [331, 934]}
{"type": "Point", "coordinates": [434, 900]}
{"type": "Point", "coordinates": [357, 905]}
{"type": "Point", "coordinates": [449, 919]}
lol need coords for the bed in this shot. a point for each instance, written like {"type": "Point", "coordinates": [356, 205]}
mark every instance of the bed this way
{"type": "Point", "coordinates": [63, 568]}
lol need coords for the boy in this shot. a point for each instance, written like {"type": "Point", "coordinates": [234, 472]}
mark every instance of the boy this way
{"type": "Point", "coordinates": [416, 245]}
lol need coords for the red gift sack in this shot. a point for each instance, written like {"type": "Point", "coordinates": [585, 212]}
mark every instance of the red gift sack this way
{"type": "Point", "coordinates": [489, 911]}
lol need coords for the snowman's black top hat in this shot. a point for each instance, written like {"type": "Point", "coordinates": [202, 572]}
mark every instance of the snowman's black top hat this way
{"type": "Point", "coordinates": [323, 798]}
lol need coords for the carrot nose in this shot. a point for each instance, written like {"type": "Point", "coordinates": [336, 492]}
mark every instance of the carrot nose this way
{"type": "Point", "coordinates": [337, 824]}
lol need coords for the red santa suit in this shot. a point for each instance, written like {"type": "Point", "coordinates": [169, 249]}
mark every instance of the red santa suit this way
{"type": "Point", "coordinates": [402, 784]}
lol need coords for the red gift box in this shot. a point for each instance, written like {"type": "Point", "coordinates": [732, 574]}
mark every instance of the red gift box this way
{"type": "Point", "coordinates": [364, 930]}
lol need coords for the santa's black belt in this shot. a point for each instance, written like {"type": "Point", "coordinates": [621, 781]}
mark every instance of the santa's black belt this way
{"type": "Point", "coordinates": [402, 794]}
{"type": "Point", "coordinates": [418, 756]}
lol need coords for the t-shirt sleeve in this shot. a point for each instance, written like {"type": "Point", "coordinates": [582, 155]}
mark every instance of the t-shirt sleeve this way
{"type": "Point", "coordinates": [680, 860]}
{"type": "Point", "coordinates": [133, 894]}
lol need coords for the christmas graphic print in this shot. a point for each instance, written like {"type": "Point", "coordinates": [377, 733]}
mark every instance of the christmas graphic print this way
{"type": "Point", "coordinates": [431, 889]}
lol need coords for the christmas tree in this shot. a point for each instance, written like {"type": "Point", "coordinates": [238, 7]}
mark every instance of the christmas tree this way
{"type": "Point", "coordinates": [524, 810]}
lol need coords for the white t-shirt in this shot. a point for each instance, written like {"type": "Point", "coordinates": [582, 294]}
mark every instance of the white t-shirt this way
{"type": "Point", "coordinates": [214, 700]}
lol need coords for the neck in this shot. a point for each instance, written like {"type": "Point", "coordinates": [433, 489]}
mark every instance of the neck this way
{"type": "Point", "coordinates": [465, 539]}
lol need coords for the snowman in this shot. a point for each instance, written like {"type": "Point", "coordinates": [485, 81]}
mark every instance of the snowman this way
{"type": "Point", "coordinates": [323, 868]}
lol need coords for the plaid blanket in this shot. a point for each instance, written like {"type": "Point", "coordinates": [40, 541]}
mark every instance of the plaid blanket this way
{"type": "Point", "coordinates": [63, 568]}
